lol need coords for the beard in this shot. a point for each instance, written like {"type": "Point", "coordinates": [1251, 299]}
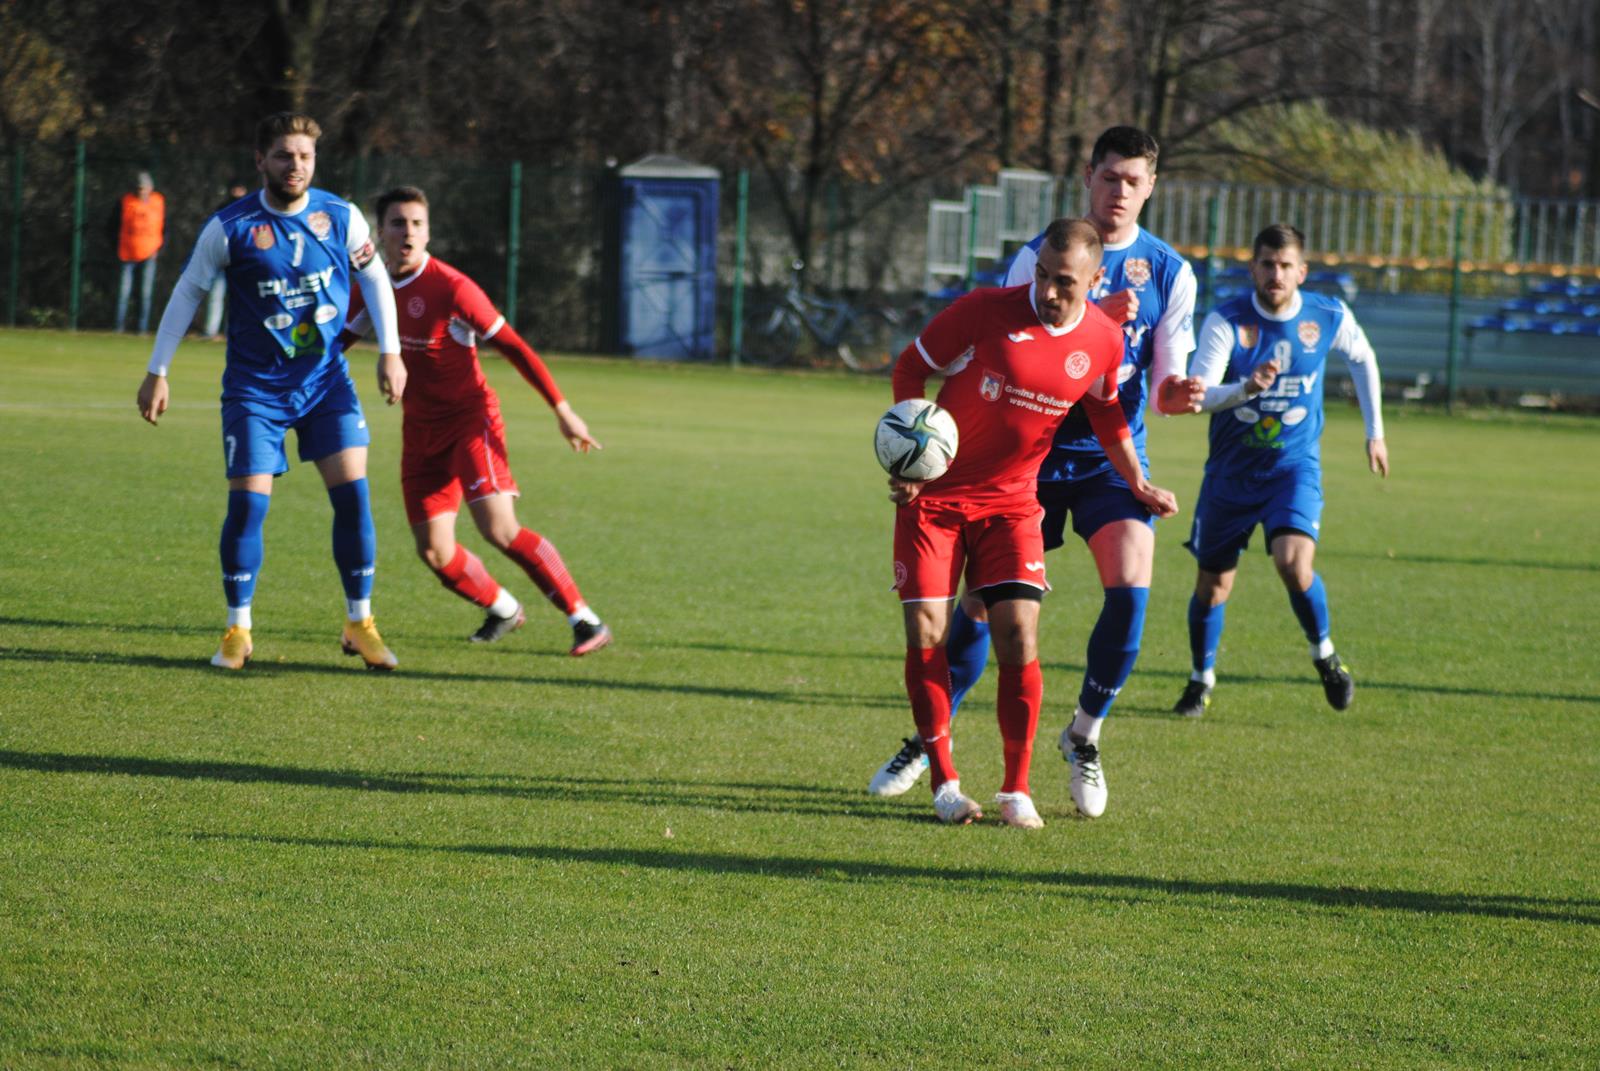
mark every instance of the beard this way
{"type": "Point", "coordinates": [282, 193]}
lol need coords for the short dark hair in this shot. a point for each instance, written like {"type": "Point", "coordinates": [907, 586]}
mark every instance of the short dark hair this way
{"type": "Point", "coordinates": [1064, 233]}
{"type": "Point", "coordinates": [282, 124]}
{"type": "Point", "coordinates": [1278, 236]}
{"type": "Point", "coordinates": [1128, 142]}
{"type": "Point", "coordinates": [400, 195]}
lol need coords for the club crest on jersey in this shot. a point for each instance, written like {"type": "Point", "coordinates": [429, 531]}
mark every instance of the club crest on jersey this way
{"type": "Point", "coordinates": [416, 306]}
{"type": "Point", "coordinates": [900, 575]}
{"type": "Point", "coordinates": [321, 225]}
{"type": "Point", "coordinates": [991, 386]}
{"type": "Point", "coordinates": [1249, 335]}
{"type": "Point", "coordinates": [261, 236]}
{"type": "Point", "coordinates": [1020, 336]}
{"type": "Point", "coordinates": [1310, 333]}
{"type": "Point", "coordinates": [1077, 365]}
{"type": "Point", "coordinates": [1136, 271]}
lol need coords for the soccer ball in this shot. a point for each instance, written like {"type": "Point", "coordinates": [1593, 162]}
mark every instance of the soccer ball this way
{"type": "Point", "coordinates": [916, 440]}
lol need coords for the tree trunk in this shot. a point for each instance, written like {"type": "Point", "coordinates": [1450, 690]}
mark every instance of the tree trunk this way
{"type": "Point", "coordinates": [1052, 85]}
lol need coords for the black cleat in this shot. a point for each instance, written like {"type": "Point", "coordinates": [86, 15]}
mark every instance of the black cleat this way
{"type": "Point", "coordinates": [1337, 683]}
{"type": "Point", "coordinates": [495, 627]}
{"type": "Point", "coordinates": [587, 638]}
{"type": "Point", "coordinates": [1196, 697]}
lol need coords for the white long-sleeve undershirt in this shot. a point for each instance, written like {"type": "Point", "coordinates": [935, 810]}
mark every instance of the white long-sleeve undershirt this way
{"type": "Point", "coordinates": [1215, 347]}
{"type": "Point", "coordinates": [210, 257]}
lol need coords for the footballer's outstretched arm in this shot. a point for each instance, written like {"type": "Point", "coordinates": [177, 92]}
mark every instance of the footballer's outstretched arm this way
{"type": "Point", "coordinates": [209, 257]}
{"type": "Point", "coordinates": [939, 349]}
{"type": "Point", "coordinates": [1174, 341]}
{"type": "Point", "coordinates": [379, 298]}
{"type": "Point", "coordinates": [515, 349]}
{"type": "Point", "coordinates": [1352, 342]}
{"type": "Point", "coordinates": [1111, 429]}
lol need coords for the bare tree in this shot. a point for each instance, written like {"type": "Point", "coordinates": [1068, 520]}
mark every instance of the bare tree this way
{"type": "Point", "coordinates": [875, 92]}
{"type": "Point", "coordinates": [1503, 43]}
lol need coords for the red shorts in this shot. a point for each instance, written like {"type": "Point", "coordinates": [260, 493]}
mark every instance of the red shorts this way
{"type": "Point", "coordinates": [936, 541]}
{"type": "Point", "coordinates": [438, 469]}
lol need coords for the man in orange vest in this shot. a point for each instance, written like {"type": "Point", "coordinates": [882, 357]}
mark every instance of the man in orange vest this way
{"type": "Point", "coordinates": [144, 217]}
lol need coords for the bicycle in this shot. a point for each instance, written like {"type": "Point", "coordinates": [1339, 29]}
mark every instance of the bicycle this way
{"type": "Point", "coordinates": [865, 340]}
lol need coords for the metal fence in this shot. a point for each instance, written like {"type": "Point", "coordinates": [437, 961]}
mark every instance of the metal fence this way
{"type": "Point", "coordinates": [534, 237]}
{"type": "Point", "coordinates": [1415, 232]}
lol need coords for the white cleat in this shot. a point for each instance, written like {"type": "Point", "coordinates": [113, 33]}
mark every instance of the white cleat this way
{"type": "Point", "coordinates": [904, 769]}
{"type": "Point", "coordinates": [1016, 809]}
{"type": "Point", "coordinates": [952, 807]}
{"type": "Point", "coordinates": [1088, 779]}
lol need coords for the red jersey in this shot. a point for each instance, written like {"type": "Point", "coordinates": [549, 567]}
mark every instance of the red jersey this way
{"type": "Point", "coordinates": [442, 315]}
{"type": "Point", "coordinates": [1010, 380]}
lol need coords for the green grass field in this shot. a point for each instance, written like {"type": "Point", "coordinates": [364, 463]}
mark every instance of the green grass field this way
{"type": "Point", "coordinates": [663, 856]}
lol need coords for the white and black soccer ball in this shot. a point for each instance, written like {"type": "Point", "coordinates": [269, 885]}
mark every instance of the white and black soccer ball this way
{"type": "Point", "coordinates": [916, 440]}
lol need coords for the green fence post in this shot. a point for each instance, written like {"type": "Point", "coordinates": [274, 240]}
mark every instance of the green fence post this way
{"type": "Point", "coordinates": [514, 242]}
{"type": "Point", "coordinates": [832, 241]}
{"type": "Point", "coordinates": [972, 238]}
{"type": "Point", "coordinates": [16, 239]}
{"type": "Point", "coordinates": [77, 240]}
{"type": "Point", "coordinates": [1455, 316]}
{"type": "Point", "coordinates": [1213, 223]}
{"type": "Point", "coordinates": [741, 234]}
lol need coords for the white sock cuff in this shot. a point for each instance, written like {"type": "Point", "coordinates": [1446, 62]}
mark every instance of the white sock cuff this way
{"type": "Point", "coordinates": [505, 604]}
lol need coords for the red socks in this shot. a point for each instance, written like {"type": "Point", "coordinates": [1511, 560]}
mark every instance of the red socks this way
{"type": "Point", "coordinates": [1020, 692]}
{"type": "Point", "coordinates": [544, 567]}
{"type": "Point", "coordinates": [928, 685]}
{"type": "Point", "coordinates": [466, 576]}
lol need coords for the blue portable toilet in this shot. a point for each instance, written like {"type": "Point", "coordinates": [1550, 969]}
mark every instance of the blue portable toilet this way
{"type": "Point", "coordinates": [665, 252]}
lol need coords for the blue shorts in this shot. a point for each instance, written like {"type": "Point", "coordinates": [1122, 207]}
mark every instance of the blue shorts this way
{"type": "Point", "coordinates": [326, 420]}
{"type": "Point", "coordinates": [1094, 502]}
{"type": "Point", "coordinates": [1229, 508]}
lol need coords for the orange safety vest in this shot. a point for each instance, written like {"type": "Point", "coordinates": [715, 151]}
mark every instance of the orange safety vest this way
{"type": "Point", "coordinates": [142, 223]}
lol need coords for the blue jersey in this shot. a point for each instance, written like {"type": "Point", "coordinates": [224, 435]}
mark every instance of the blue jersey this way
{"type": "Point", "coordinates": [289, 279]}
{"type": "Point", "coordinates": [1160, 336]}
{"type": "Point", "coordinates": [1281, 428]}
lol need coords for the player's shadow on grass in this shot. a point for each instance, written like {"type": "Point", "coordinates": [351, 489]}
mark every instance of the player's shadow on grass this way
{"type": "Point", "coordinates": [799, 653]}
{"type": "Point", "coordinates": [1583, 912]}
{"type": "Point", "coordinates": [1446, 559]}
{"type": "Point", "coordinates": [774, 797]}
{"type": "Point", "coordinates": [1309, 681]}
{"type": "Point", "coordinates": [266, 669]}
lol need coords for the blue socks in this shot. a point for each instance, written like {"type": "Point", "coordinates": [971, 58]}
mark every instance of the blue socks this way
{"type": "Point", "coordinates": [240, 546]}
{"type": "Point", "coordinates": [1113, 648]}
{"type": "Point", "coordinates": [355, 541]}
{"type": "Point", "coordinates": [1205, 633]}
{"type": "Point", "coordinates": [968, 652]}
{"type": "Point", "coordinates": [1311, 607]}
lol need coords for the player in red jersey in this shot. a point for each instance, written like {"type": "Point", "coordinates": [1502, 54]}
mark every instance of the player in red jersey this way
{"type": "Point", "coordinates": [454, 438]}
{"type": "Point", "coordinates": [1014, 362]}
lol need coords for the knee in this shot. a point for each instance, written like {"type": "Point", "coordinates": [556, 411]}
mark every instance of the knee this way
{"type": "Point", "coordinates": [499, 532]}
{"type": "Point", "coordinates": [1295, 572]}
{"type": "Point", "coordinates": [435, 558]}
{"type": "Point", "coordinates": [1213, 589]}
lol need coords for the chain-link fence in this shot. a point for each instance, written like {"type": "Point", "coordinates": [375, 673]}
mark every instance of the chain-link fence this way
{"type": "Point", "coordinates": [534, 237]}
{"type": "Point", "coordinates": [541, 263]}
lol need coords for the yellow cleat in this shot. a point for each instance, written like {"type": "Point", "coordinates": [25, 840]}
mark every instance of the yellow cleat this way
{"type": "Point", "coordinates": [235, 650]}
{"type": "Point", "coordinates": [361, 638]}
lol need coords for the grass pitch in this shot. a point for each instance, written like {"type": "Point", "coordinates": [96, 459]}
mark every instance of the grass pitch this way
{"type": "Point", "coordinates": [662, 855]}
